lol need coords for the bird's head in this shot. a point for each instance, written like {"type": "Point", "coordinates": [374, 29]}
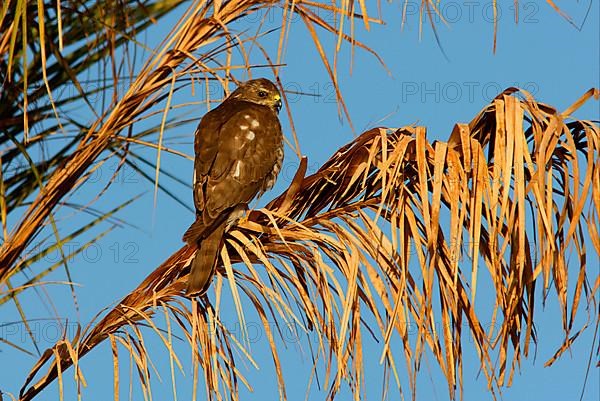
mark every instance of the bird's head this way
{"type": "Point", "coordinates": [260, 91]}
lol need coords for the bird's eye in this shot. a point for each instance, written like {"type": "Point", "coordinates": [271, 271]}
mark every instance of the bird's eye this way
{"type": "Point", "coordinates": [262, 93]}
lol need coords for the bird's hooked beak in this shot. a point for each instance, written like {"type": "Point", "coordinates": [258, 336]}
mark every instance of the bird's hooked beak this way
{"type": "Point", "coordinates": [278, 104]}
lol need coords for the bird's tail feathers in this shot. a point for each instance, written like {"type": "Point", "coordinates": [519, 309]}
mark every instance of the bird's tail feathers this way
{"type": "Point", "coordinates": [200, 229]}
{"type": "Point", "coordinates": [195, 232]}
{"type": "Point", "coordinates": [203, 264]}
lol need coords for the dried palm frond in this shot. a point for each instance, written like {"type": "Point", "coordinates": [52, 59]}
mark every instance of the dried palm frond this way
{"type": "Point", "coordinates": [46, 47]}
{"type": "Point", "coordinates": [195, 44]}
{"type": "Point", "coordinates": [48, 51]}
{"type": "Point", "coordinates": [377, 235]}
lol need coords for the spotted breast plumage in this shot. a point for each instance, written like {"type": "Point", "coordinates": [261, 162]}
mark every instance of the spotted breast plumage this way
{"type": "Point", "coordinates": [239, 151]}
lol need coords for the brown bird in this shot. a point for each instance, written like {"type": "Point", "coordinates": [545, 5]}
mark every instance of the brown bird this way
{"type": "Point", "coordinates": [239, 151]}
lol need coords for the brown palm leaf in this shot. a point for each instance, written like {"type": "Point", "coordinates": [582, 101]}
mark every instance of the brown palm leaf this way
{"type": "Point", "coordinates": [196, 41]}
{"type": "Point", "coordinates": [378, 235]}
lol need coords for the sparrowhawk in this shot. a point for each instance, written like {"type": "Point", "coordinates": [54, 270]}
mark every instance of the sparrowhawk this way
{"type": "Point", "coordinates": [239, 151]}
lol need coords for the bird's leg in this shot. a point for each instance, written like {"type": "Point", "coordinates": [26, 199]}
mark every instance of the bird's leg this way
{"type": "Point", "coordinates": [238, 215]}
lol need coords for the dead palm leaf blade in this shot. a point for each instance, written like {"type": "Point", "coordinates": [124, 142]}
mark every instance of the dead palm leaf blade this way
{"type": "Point", "coordinates": [377, 239]}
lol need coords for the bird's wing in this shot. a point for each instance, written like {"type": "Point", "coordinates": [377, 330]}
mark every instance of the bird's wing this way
{"type": "Point", "coordinates": [246, 155]}
{"type": "Point", "coordinates": [236, 148]}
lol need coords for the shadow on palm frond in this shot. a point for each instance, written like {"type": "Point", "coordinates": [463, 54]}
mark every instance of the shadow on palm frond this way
{"type": "Point", "coordinates": [378, 235]}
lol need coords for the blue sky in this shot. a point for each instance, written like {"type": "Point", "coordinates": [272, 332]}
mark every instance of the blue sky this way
{"type": "Point", "coordinates": [542, 53]}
